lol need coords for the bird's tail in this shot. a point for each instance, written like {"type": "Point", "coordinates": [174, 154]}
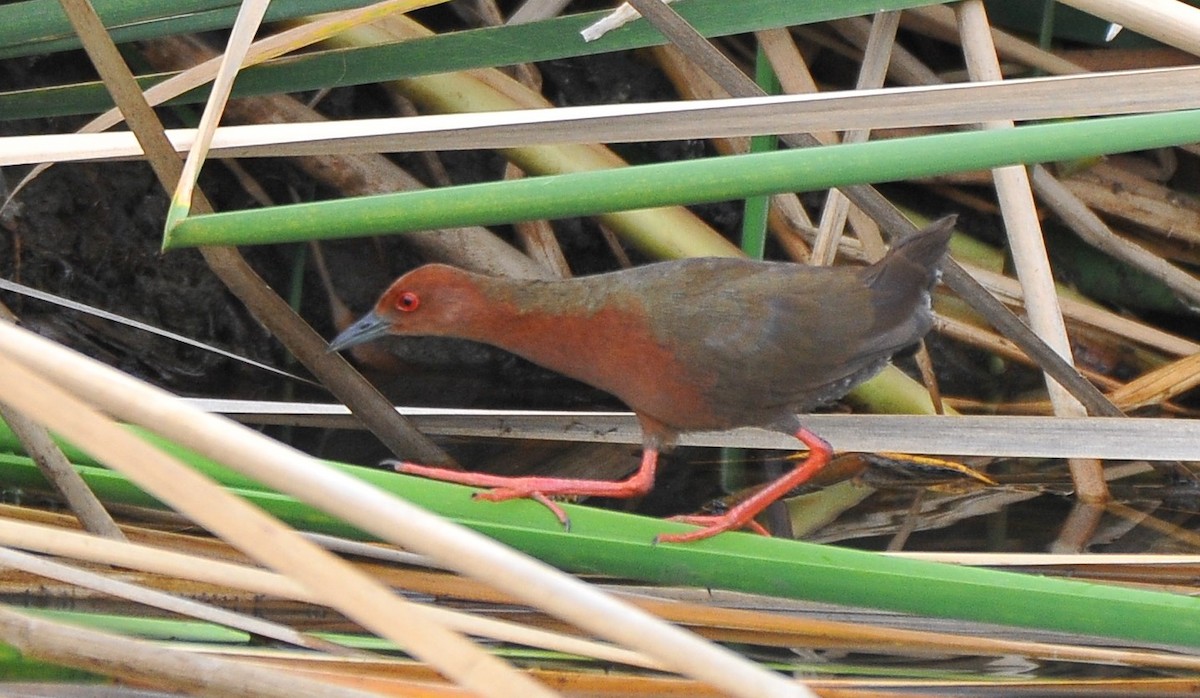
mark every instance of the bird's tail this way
{"type": "Point", "coordinates": [913, 263]}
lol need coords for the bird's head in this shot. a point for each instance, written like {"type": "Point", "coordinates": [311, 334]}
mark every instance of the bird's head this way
{"type": "Point", "coordinates": [423, 301]}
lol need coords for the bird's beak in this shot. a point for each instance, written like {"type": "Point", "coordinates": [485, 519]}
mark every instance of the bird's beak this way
{"type": "Point", "coordinates": [368, 327]}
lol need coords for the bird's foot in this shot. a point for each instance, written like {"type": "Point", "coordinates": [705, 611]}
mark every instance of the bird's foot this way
{"type": "Point", "coordinates": [710, 525]}
{"type": "Point", "coordinates": [742, 515]}
{"type": "Point", "coordinates": [500, 494]}
{"type": "Point", "coordinates": [540, 489]}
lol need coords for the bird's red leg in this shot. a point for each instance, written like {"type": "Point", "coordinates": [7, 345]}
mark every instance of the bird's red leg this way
{"type": "Point", "coordinates": [742, 515]}
{"type": "Point", "coordinates": [540, 488]}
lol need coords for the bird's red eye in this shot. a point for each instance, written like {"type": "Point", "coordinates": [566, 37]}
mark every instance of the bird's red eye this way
{"type": "Point", "coordinates": [407, 301]}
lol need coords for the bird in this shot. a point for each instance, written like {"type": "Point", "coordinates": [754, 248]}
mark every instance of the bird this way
{"type": "Point", "coordinates": [697, 344]}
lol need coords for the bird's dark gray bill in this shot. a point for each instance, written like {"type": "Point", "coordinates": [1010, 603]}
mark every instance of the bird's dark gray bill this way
{"type": "Point", "coordinates": [368, 327]}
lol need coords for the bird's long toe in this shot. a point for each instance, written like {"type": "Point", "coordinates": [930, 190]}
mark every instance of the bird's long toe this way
{"type": "Point", "coordinates": [501, 494]}
{"type": "Point", "coordinates": [710, 526]}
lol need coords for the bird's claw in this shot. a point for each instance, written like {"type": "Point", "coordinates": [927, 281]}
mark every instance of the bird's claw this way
{"type": "Point", "coordinates": [710, 526]}
{"type": "Point", "coordinates": [494, 493]}
{"type": "Point", "coordinates": [500, 494]}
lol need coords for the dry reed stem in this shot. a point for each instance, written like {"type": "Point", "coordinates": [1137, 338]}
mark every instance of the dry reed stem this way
{"type": "Point", "coordinates": [876, 57]}
{"type": "Point", "coordinates": [1028, 248]}
{"type": "Point", "coordinates": [53, 465]}
{"type": "Point", "coordinates": [1169, 21]}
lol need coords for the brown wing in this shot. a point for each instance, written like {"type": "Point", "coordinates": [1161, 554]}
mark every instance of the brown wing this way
{"type": "Point", "coordinates": [770, 338]}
